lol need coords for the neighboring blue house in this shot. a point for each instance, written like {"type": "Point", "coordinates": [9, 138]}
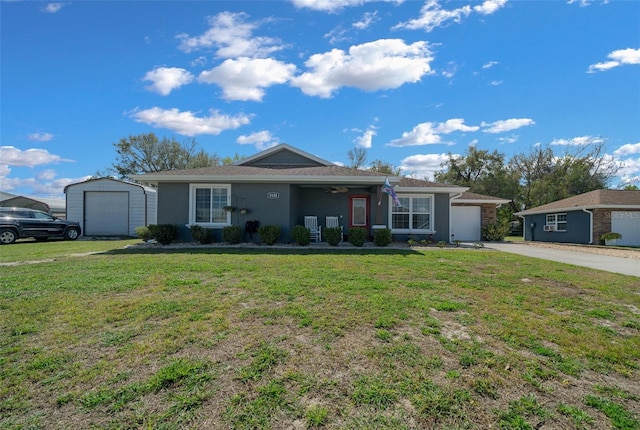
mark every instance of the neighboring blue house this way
{"type": "Point", "coordinates": [282, 185]}
{"type": "Point", "coordinates": [583, 218]}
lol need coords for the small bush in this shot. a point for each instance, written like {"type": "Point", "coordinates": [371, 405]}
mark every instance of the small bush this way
{"type": "Point", "coordinates": [144, 233]}
{"type": "Point", "coordinates": [232, 234]}
{"type": "Point", "coordinates": [164, 233]}
{"type": "Point", "coordinates": [301, 235]}
{"type": "Point", "coordinates": [357, 236]}
{"type": "Point", "coordinates": [333, 235]}
{"type": "Point", "coordinates": [269, 234]}
{"type": "Point", "coordinates": [201, 234]}
{"type": "Point", "coordinates": [495, 231]}
{"type": "Point", "coordinates": [382, 237]}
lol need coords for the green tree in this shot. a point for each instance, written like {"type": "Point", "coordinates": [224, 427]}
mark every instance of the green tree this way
{"type": "Point", "coordinates": [547, 177]}
{"type": "Point", "coordinates": [146, 153]}
{"type": "Point", "coordinates": [384, 167]}
{"type": "Point", "coordinates": [482, 171]}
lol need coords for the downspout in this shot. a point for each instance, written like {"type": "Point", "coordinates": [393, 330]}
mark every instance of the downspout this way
{"type": "Point", "coordinates": [450, 225]}
{"type": "Point", "coordinates": [524, 232]}
{"type": "Point", "coordinates": [590, 225]}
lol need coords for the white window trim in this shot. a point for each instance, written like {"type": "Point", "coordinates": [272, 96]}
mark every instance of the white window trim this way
{"type": "Point", "coordinates": [192, 206]}
{"type": "Point", "coordinates": [555, 221]}
{"type": "Point", "coordinates": [411, 230]}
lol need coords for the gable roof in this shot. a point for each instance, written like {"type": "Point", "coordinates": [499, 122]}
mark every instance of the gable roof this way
{"type": "Point", "coordinates": [106, 179]}
{"type": "Point", "coordinates": [614, 199]}
{"type": "Point", "coordinates": [286, 164]}
{"type": "Point", "coordinates": [283, 147]}
{"type": "Point", "coordinates": [468, 197]}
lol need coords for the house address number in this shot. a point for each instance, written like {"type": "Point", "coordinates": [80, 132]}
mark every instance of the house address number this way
{"type": "Point", "coordinates": [273, 195]}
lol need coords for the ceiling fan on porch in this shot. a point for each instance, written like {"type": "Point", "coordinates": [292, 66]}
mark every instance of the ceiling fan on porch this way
{"type": "Point", "coordinates": [336, 190]}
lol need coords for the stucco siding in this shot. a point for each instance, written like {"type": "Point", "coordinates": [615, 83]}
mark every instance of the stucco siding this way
{"type": "Point", "coordinates": [578, 223]}
{"type": "Point", "coordinates": [173, 207]}
{"type": "Point", "coordinates": [284, 158]}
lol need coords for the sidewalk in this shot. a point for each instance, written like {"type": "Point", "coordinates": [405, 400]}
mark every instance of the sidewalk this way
{"type": "Point", "coordinates": [625, 266]}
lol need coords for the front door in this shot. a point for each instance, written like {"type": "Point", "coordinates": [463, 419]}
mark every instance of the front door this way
{"type": "Point", "coordinates": [359, 211]}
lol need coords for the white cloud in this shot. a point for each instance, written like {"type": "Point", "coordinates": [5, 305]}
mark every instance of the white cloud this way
{"type": "Point", "coordinates": [495, 83]}
{"type": "Point", "coordinates": [584, 3]}
{"type": "Point", "coordinates": [618, 58]}
{"type": "Point", "coordinates": [366, 139]}
{"type": "Point", "coordinates": [628, 149]}
{"type": "Point", "coordinates": [53, 7]}
{"type": "Point", "coordinates": [44, 184]}
{"type": "Point", "coordinates": [432, 15]}
{"type": "Point", "coordinates": [334, 5]}
{"type": "Point", "coordinates": [40, 137]}
{"type": "Point", "coordinates": [490, 64]}
{"type": "Point", "coordinates": [261, 140]}
{"type": "Point", "coordinates": [423, 165]}
{"type": "Point", "coordinates": [506, 125]}
{"type": "Point", "coordinates": [428, 133]}
{"type": "Point", "coordinates": [166, 79]}
{"type": "Point", "coordinates": [629, 170]}
{"type": "Point", "coordinates": [245, 78]}
{"type": "Point", "coordinates": [367, 20]}
{"type": "Point", "coordinates": [578, 141]}
{"type": "Point", "coordinates": [187, 123]}
{"type": "Point", "coordinates": [489, 6]}
{"type": "Point", "coordinates": [382, 64]}
{"type": "Point", "coordinates": [233, 36]}
{"type": "Point", "coordinates": [12, 156]}
{"type": "Point", "coordinates": [508, 139]}
{"type": "Point", "coordinates": [455, 124]}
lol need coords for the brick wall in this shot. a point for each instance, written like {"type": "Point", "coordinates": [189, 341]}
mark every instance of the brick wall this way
{"type": "Point", "coordinates": [602, 221]}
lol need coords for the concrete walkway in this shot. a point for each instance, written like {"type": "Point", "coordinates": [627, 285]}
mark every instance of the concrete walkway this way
{"type": "Point", "coordinates": [625, 266]}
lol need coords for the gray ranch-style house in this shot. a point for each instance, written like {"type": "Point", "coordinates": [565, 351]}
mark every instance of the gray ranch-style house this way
{"type": "Point", "coordinates": [281, 185]}
{"type": "Point", "coordinates": [584, 218]}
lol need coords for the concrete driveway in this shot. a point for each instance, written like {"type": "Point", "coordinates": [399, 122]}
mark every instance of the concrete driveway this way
{"type": "Point", "coordinates": [625, 266]}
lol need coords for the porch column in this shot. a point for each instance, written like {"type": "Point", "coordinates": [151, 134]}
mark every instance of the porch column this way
{"type": "Point", "coordinates": [378, 215]}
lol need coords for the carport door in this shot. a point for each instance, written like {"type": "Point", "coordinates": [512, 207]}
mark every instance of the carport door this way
{"type": "Point", "coordinates": [465, 223]}
{"type": "Point", "coordinates": [106, 213]}
{"type": "Point", "coordinates": [627, 223]}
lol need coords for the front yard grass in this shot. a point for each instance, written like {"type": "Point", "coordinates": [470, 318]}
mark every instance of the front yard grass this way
{"type": "Point", "coordinates": [304, 338]}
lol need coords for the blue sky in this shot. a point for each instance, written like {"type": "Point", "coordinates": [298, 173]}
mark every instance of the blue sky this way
{"type": "Point", "coordinates": [410, 81]}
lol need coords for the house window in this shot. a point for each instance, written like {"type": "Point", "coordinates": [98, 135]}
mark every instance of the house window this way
{"type": "Point", "coordinates": [206, 203]}
{"type": "Point", "coordinates": [413, 214]}
{"type": "Point", "coordinates": [556, 222]}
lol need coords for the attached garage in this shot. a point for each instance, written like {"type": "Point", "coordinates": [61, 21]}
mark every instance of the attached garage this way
{"type": "Point", "coordinates": [471, 211]}
{"type": "Point", "coordinates": [466, 223]}
{"type": "Point", "coordinates": [627, 223]}
{"type": "Point", "coordinates": [109, 207]}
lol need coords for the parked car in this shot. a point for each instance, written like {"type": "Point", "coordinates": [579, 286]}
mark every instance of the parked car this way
{"type": "Point", "coordinates": [19, 223]}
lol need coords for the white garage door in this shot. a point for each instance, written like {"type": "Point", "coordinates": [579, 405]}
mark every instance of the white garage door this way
{"type": "Point", "coordinates": [106, 213]}
{"type": "Point", "coordinates": [465, 223]}
{"type": "Point", "coordinates": [626, 223]}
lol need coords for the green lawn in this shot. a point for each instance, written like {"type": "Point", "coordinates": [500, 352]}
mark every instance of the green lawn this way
{"type": "Point", "coordinates": [298, 338]}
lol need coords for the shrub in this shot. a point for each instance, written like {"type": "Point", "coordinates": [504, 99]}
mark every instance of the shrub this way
{"type": "Point", "coordinates": [357, 236]}
{"type": "Point", "coordinates": [301, 235]}
{"type": "Point", "coordinates": [164, 233]}
{"type": "Point", "coordinates": [382, 237]}
{"type": "Point", "coordinates": [232, 234]}
{"type": "Point", "coordinates": [333, 235]}
{"type": "Point", "coordinates": [495, 231]}
{"type": "Point", "coordinates": [144, 233]}
{"type": "Point", "coordinates": [201, 234]}
{"type": "Point", "coordinates": [269, 233]}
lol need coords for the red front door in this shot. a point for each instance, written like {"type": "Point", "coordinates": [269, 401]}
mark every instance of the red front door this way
{"type": "Point", "coordinates": [359, 211]}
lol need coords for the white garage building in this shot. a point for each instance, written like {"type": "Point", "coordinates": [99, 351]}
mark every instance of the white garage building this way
{"type": "Point", "coordinates": [109, 207]}
{"type": "Point", "coordinates": [470, 212]}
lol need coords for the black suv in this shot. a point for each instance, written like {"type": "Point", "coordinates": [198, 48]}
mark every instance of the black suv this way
{"type": "Point", "coordinates": [18, 223]}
